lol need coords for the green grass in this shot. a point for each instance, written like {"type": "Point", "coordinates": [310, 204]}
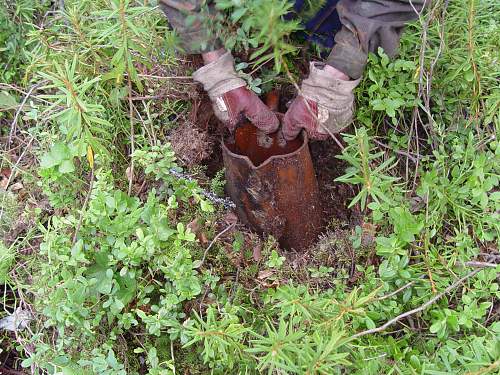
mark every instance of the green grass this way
{"type": "Point", "coordinates": [112, 265]}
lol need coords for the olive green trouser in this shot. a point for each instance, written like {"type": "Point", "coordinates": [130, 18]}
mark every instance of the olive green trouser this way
{"type": "Point", "coordinates": [366, 25]}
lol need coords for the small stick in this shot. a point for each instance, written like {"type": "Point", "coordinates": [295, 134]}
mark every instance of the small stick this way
{"type": "Point", "coordinates": [377, 357]}
{"type": "Point", "coordinates": [398, 290]}
{"type": "Point", "coordinates": [416, 310]}
{"type": "Point", "coordinates": [491, 256]}
{"type": "Point", "coordinates": [162, 77]}
{"type": "Point", "coordinates": [403, 153]}
{"type": "Point", "coordinates": [150, 97]}
{"type": "Point", "coordinates": [233, 289]}
{"type": "Point", "coordinates": [485, 370]}
{"type": "Point", "coordinates": [214, 240]}
{"type": "Point", "coordinates": [13, 126]}
{"type": "Point", "coordinates": [172, 354]}
{"type": "Point", "coordinates": [476, 264]}
{"type": "Point", "coordinates": [14, 169]}
{"type": "Point", "coordinates": [226, 202]}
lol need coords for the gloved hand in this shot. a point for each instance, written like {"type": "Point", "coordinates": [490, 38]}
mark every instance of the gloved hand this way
{"type": "Point", "coordinates": [231, 99]}
{"type": "Point", "coordinates": [331, 103]}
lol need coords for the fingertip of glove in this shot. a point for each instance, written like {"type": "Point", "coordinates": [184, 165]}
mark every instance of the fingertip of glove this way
{"type": "Point", "coordinates": [289, 131]}
{"type": "Point", "coordinates": [289, 137]}
{"type": "Point", "coordinates": [268, 122]}
{"type": "Point", "coordinates": [268, 129]}
{"type": "Point", "coordinates": [287, 127]}
{"type": "Point", "coordinates": [271, 129]}
{"type": "Point", "coordinates": [287, 120]}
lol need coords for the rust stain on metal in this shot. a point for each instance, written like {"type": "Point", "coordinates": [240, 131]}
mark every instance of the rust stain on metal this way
{"type": "Point", "coordinates": [273, 186]}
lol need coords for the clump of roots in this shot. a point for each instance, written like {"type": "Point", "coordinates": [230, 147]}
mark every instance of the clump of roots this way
{"type": "Point", "coordinates": [190, 145]}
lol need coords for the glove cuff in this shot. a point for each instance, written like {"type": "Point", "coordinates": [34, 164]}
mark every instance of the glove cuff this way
{"type": "Point", "coordinates": [334, 98]}
{"type": "Point", "coordinates": [219, 76]}
{"type": "Point", "coordinates": [330, 92]}
{"type": "Point", "coordinates": [347, 55]}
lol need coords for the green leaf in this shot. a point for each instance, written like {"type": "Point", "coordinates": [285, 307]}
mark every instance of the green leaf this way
{"type": "Point", "coordinates": [387, 246]}
{"type": "Point", "coordinates": [104, 282]}
{"type": "Point", "coordinates": [7, 101]}
{"type": "Point", "coordinates": [58, 154]}
{"type": "Point", "coordinates": [370, 324]}
{"type": "Point", "coordinates": [415, 362]}
{"type": "Point", "coordinates": [7, 256]}
{"type": "Point", "coordinates": [406, 225]}
{"type": "Point", "coordinates": [495, 327]}
{"type": "Point", "coordinates": [386, 271]}
{"type": "Point", "coordinates": [116, 73]}
{"type": "Point", "coordinates": [164, 231]}
{"type": "Point", "coordinates": [435, 327]}
{"type": "Point", "coordinates": [27, 362]}
{"type": "Point", "coordinates": [452, 321]}
{"type": "Point", "coordinates": [66, 166]}
{"type": "Point", "coordinates": [469, 75]}
{"type": "Point", "coordinates": [73, 369]}
{"type": "Point", "coordinates": [404, 274]}
{"type": "Point", "coordinates": [238, 13]}
{"type": "Point", "coordinates": [206, 206]}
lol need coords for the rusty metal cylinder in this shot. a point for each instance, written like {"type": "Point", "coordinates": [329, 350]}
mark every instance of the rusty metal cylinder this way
{"type": "Point", "coordinates": [273, 184]}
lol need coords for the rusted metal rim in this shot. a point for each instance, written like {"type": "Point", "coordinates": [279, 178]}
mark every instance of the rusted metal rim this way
{"type": "Point", "coordinates": [303, 135]}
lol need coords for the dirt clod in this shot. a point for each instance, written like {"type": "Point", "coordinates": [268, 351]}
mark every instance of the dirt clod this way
{"type": "Point", "coordinates": [191, 145]}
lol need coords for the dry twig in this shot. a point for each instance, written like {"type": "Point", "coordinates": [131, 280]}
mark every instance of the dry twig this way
{"type": "Point", "coordinates": [13, 125]}
{"type": "Point", "coordinates": [414, 158]}
{"type": "Point", "coordinates": [476, 264]}
{"type": "Point", "coordinates": [485, 370]}
{"type": "Point", "coordinates": [214, 240]}
{"type": "Point", "coordinates": [164, 77]}
{"type": "Point", "coordinates": [398, 290]}
{"type": "Point", "coordinates": [13, 174]}
{"type": "Point", "coordinates": [415, 310]}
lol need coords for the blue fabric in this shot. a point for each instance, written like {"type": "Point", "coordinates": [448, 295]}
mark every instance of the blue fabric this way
{"type": "Point", "coordinates": [324, 24]}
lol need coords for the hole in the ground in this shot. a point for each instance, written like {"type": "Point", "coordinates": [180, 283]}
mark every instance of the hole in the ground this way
{"type": "Point", "coordinates": [335, 197]}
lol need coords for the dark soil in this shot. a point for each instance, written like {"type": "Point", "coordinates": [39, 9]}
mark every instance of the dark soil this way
{"type": "Point", "coordinates": [10, 363]}
{"type": "Point", "coordinates": [335, 196]}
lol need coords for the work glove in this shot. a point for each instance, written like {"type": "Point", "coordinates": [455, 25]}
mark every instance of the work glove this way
{"type": "Point", "coordinates": [231, 99]}
{"type": "Point", "coordinates": [331, 105]}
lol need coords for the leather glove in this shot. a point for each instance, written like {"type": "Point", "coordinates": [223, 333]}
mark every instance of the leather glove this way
{"type": "Point", "coordinates": [331, 102]}
{"type": "Point", "coordinates": [231, 99]}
